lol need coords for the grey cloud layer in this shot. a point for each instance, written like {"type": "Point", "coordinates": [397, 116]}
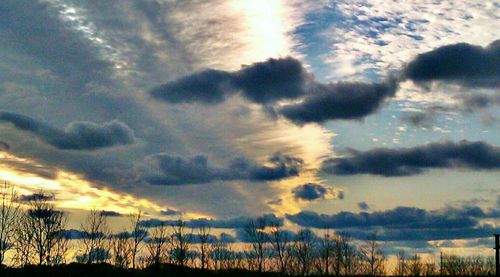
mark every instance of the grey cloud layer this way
{"type": "Point", "coordinates": [405, 223]}
{"type": "Point", "coordinates": [341, 100]}
{"type": "Point", "coordinates": [463, 63]}
{"type": "Point", "coordinates": [398, 224]}
{"type": "Point", "coordinates": [400, 217]}
{"type": "Point", "coordinates": [77, 135]}
{"type": "Point", "coordinates": [416, 160]}
{"type": "Point", "coordinates": [263, 82]}
{"type": "Point", "coordinates": [177, 171]}
{"type": "Point", "coordinates": [279, 79]}
{"type": "Point", "coordinates": [232, 223]}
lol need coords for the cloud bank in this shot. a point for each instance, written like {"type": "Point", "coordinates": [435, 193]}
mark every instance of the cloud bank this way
{"type": "Point", "coordinates": [416, 160]}
{"type": "Point", "coordinates": [404, 223]}
{"type": "Point", "coordinates": [177, 170]}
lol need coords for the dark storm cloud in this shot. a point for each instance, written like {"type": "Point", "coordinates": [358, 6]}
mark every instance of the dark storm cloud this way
{"type": "Point", "coordinates": [37, 29]}
{"type": "Point", "coordinates": [341, 100]}
{"type": "Point", "coordinates": [232, 223]}
{"type": "Point", "coordinates": [416, 160]}
{"type": "Point", "coordinates": [178, 171]}
{"type": "Point", "coordinates": [419, 119]}
{"type": "Point", "coordinates": [79, 135]}
{"type": "Point", "coordinates": [463, 63]}
{"type": "Point", "coordinates": [310, 192]}
{"type": "Point", "coordinates": [277, 79]}
{"type": "Point", "coordinates": [263, 82]}
{"type": "Point", "coordinates": [272, 80]}
{"type": "Point", "coordinates": [400, 217]}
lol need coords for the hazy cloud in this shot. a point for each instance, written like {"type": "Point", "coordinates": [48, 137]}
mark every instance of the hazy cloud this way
{"type": "Point", "coordinates": [471, 102]}
{"type": "Point", "coordinates": [171, 212]}
{"type": "Point", "coordinates": [416, 160]}
{"type": "Point", "coordinates": [419, 119]}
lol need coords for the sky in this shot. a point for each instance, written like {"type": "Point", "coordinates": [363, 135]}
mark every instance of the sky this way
{"type": "Point", "coordinates": [362, 116]}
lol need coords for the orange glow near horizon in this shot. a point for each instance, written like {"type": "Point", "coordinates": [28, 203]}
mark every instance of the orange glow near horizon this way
{"type": "Point", "coordinates": [74, 192]}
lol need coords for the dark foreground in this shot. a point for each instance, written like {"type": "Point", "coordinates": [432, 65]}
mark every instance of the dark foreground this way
{"type": "Point", "coordinates": [106, 270]}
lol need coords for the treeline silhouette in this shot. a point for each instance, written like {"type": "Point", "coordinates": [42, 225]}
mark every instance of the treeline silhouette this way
{"type": "Point", "coordinates": [34, 237]}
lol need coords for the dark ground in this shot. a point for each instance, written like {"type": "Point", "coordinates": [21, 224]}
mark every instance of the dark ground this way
{"type": "Point", "coordinates": [106, 270]}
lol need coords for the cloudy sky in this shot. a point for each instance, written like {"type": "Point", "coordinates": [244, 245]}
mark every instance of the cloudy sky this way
{"type": "Point", "coordinates": [358, 115]}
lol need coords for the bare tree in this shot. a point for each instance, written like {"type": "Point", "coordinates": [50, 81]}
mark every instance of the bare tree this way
{"type": "Point", "coordinates": [157, 244]}
{"type": "Point", "coordinates": [61, 250]}
{"type": "Point", "coordinates": [349, 256]}
{"type": "Point", "coordinates": [401, 268]}
{"type": "Point", "coordinates": [23, 238]}
{"type": "Point", "coordinates": [204, 245]}
{"type": "Point", "coordinates": [95, 233]}
{"type": "Point", "coordinates": [218, 254]}
{"type": "Point", "coordinates": [280, 242]}
{"type": "Point", "coordinates": [138, 234]}
{"type": "Point", "coordinates": [415, 266]}
{"type": "Point", "coordinates": [121, 249]}
{"type": "Point", "coordinates": [430, 268]}
{"type": "Point", "coordinates": [326, 251]}
{"type": "Point", "coordinates": [303, 251]}
{"type": "Point", "coordinates": [9, 211]}
{"type": "Point", "coordinates": [42, 228]}
{"type": "Point", "coordinates": [373, 257]}
{"type": "Point", "coordinates": [258, 239]}
{"type": "Point", "coordinates": [180, 242]}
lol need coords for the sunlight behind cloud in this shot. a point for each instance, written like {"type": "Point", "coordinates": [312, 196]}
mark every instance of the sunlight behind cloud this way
{"type": "Point", "coordinates": [74, 192]}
